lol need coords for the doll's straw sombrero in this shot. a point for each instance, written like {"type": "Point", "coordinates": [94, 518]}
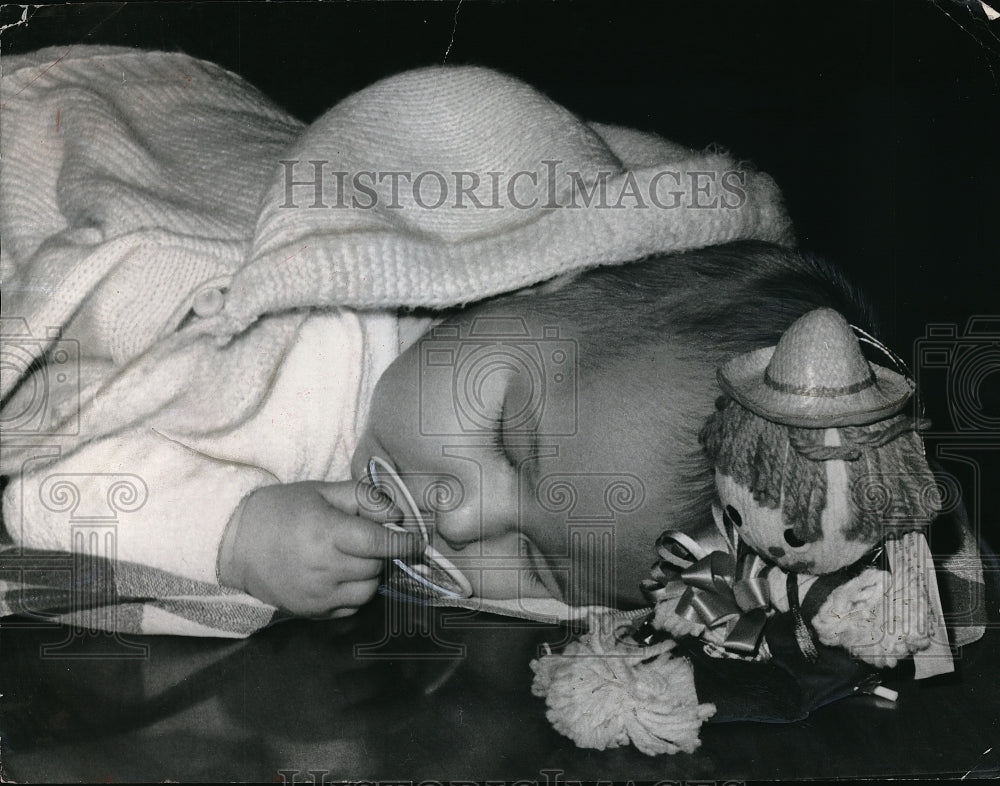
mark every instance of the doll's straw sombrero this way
{"type": "Point", "coordinates": [816, 377]}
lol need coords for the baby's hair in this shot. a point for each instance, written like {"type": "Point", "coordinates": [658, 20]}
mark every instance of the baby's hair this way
{"type": "Point", "coordinates": [718, 301]}
{"type": "Point", "coordinates": [695, 310]}
{"type": "Point", "coordinates": [888, 478]}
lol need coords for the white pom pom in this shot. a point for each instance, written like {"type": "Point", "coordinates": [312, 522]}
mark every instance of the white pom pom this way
{"type": "Point", "coordinates": [604, 694]}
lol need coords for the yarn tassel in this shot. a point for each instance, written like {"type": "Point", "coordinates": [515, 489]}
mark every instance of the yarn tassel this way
{"type": "Point", "coordinates": [603, 693]}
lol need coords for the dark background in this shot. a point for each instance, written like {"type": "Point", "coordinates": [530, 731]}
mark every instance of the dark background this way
{"type": "Point", "coordinates": [878, 119]}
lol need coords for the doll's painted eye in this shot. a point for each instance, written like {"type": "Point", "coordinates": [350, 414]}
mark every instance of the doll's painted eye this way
{"type": "Point", "coordinates": [792, 539]}
{"type": "Point", "coordinates": [734, 516]}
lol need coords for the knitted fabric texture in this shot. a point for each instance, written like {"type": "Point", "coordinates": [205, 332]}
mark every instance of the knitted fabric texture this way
{"type": "Point", "coordinates": [131, 181]}
{"type": "Point", "coordinates": [367, 209]}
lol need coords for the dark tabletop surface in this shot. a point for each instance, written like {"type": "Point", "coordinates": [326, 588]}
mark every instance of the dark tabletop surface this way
{"type": "Point", "coordinates": [448, 699]}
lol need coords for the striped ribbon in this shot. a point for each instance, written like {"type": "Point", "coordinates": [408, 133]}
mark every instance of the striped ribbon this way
{"type": "Point", "coordinates": [727, 591]}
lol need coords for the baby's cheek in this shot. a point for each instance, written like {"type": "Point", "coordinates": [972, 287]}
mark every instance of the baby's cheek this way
{"type": "Point", "coordinates": [510, 584]}
{"type": "Point", "coordinates": [496, 568]}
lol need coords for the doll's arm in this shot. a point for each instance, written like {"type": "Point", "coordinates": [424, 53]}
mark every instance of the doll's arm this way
{"type": "Point", "coordinates": [870, 618]}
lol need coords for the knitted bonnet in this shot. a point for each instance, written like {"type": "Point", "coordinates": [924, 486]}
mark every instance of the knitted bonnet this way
{"type": "Point", "coordinates": [138, 186]}
{"type": "Point", "coordinates": [367, 209]}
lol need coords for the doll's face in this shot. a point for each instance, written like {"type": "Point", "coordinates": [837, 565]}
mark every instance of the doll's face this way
{"type": "Point", "coordinates": [764, 530]}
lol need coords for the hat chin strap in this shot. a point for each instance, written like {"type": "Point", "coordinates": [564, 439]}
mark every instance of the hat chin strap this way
{"type": "Point", "coordinates": [921, 423]}
{"type": "Point", "coordinates": [866, 338]}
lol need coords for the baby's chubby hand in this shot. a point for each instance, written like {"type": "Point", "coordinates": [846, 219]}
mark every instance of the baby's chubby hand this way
{"type": "Point", "coordinates": [309, 549]}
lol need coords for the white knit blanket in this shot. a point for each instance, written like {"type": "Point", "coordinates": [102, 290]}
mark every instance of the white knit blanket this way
{"type": "Point", "coordinates": [137, 186]}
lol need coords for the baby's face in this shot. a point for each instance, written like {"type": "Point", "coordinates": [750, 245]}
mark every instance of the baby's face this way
{"type": "Point", "coordinates": [538, 477]}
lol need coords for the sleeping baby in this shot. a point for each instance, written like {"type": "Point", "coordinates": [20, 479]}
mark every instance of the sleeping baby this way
{"type": "Point", "coordinates": [258, 342]}
{"type": "Point", "coordinates": [480, 437]}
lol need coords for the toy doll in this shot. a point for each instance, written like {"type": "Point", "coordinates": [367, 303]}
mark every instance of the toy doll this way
{"type": "Point", "coordinates": [823, 497]}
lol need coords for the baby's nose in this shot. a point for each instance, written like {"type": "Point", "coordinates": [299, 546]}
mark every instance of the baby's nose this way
{"type": "Point", "coordinates": [460, 526]}
{"type": "Point", "coordinates": [454, 507]}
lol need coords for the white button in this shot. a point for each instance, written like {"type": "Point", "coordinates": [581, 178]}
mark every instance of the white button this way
{"type": "Point", "coordinates": [208, 302]}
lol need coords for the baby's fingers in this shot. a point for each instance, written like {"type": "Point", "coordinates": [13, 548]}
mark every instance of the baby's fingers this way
{"type": "Point", "coordinates": [347, 598]}
{"type": "Point", "coordinates": [359, 498]}
{"type": "Point", "coordinates": [352, 594]}
{"type": "Point", "coordinates": [368, 539]}
{"type": "Point", "coordinates": [358, 568]}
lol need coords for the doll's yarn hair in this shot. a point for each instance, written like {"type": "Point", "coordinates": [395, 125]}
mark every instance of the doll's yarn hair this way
{"type": "Point", "coordinates": [891, 486]}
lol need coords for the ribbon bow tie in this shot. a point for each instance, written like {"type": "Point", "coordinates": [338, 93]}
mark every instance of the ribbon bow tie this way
{"type": "Point", "coordinates": [728, 592]}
